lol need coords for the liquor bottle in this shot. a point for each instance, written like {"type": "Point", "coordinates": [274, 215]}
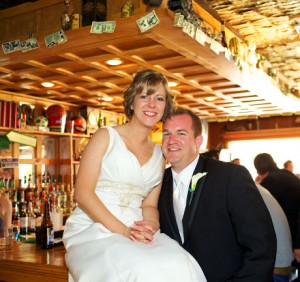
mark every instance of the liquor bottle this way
{"type": "Point", "coordinates": [15, 220]}
{"type": "Point", "coordinates": [15, 215]}
{"type": "Point", "coordinates": [23, 220]}
{"type": "Point", "coordinates": [23, 118]}
{"type": "Point", "coordinates": [12, 191]}
{"type": "Point", "coordinates": [22, 188]}
{"type": "Point", "coordinates": [2, 185]}
{"type": "Point", "coordinates": [223, 37]}
{"type": "Point", "coordinates": [100, 120]}
{"type": "Point", "coordinates": [5, 184]}
{"type": "Point", "coordinates": [38, 214]}
{"type": "Point", "coordinates": [29, 190]}
{"type": "Point", "coordinates": [36, 188]}
{"type": "Point", "coordinates": [60, 186]}
{"type": "Point", "coordinates": [38, 222]}
{"type": "Point", "coordinates": [47, 231]}
{"type": "Point", "coordinates": [19, 113]}
{"type": "Point", "coordinates": [20, 192]}
{"type": "Point", "coordinates": [43, 180]}
{"type": "Point", "coordinates": [31, 218]}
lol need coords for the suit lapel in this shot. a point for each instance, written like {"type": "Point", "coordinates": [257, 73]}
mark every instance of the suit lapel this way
{"type": "Point", "coordinates": [168, 205]}
{"type": "Point", "coordinates": [192, 200]}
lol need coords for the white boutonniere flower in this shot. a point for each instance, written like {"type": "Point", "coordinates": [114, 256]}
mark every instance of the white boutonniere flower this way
{"type": "Point", "coordinates": [195, 180]}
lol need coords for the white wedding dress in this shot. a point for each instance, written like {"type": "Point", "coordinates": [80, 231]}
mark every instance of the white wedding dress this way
{"type": "Point", "coordinates": [96, 254]}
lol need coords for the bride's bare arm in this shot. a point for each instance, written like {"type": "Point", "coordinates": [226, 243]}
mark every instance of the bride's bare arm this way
{"type": "Point", "coordinates": [144, 230]}
{"type": "Point", "coordinates": [86, 181]}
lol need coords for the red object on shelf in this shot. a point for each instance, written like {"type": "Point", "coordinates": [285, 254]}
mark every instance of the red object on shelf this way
{"type": "Point", "coordinates": [56, 115]}
{"type": "Point", "coordinates": [76, 124]}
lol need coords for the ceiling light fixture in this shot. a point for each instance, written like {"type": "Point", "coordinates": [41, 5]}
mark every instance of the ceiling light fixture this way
{"type": "Point", "coordinates": [207, 88]}
{"type": "Point", "coordinates": [210, 99]}
{"type": "Point", "coordinates": [172, 83]}
{"type": "Point", "coordinates": [105, 98]}
{"type": "Point", "coordinates": [47, 84]}
{"type": "Point", "coordinates": [114, 62]}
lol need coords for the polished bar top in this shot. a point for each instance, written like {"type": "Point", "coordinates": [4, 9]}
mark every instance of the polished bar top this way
{"type": "Point", "coordinates": [27, 261]}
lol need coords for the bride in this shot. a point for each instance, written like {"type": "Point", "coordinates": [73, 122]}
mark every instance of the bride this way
{"type": "Point", "coordinates": [113, 234]}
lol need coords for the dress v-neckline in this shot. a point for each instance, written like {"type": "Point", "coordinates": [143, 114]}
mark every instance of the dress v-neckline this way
{"type": "Point", "coordinates": [130, 152]}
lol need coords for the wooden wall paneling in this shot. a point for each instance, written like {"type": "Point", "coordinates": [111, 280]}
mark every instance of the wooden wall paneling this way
{"type": "Point", "coordinates": [114, 8]}
{"type": "Point", "coordinates": [50, 19]}
{"type": "Point", "coordinates": [218, 130]}
{"type": "Point", "coordinates": [261, 134]}
{"type": "Point", "coordinates": [20, 26]}
{"type": "Point", "coordinates": [40, 17]}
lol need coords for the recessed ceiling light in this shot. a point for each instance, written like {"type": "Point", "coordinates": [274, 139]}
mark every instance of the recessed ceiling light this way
{"type": "Point", "coordinates": [210, 99]}
{"type": "Point", "coordinates": [105, 98]}
{"type": "Point", "coordinates": [172, 83]}
{"type": "Point", "coordinates": [47, 84]}
{"type": "Point", "coordinates": [114, 62]}
{"type": "Point", "coordinates": [207, 88]}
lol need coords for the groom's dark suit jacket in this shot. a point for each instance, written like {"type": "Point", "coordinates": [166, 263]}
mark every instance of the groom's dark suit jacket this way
{"type": "Point", "coordinates": [227, 226]}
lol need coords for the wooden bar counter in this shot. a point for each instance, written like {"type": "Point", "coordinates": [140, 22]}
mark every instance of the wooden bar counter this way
{"type": "Point", "coordinates": [28, 262]}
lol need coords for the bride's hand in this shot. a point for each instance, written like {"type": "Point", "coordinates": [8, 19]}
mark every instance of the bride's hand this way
{"type": "Point", "coordinates": [142, 231]}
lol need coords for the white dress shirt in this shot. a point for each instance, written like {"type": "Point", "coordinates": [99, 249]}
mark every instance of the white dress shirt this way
{"type": "Point", "coordinates": [185, 177]}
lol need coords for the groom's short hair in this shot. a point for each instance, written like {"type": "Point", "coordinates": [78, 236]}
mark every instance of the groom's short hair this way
{"type": "Point", "coordinates": [196, 122]}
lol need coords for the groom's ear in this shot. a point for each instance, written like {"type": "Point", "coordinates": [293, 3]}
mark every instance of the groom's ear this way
{"type": "Point", "coordinates": [199, 140]}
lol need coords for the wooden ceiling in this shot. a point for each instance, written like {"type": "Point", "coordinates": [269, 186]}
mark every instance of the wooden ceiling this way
{"type": "Point", "coordinates": [271, 25]}
{"type": "Point", "coordinates": [81, 76]}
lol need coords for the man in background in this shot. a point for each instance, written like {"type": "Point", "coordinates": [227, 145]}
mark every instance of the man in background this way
{"type": "Point", "coordinates": [236, 161]}
{"type": "Point", "coordinates": [285, 188]}
{"type": "Point", "coordinates": [288, 165]}
{"type": "Point", "coordinates": [284, 253]}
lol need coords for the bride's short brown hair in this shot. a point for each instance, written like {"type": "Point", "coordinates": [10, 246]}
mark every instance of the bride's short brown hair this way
{"type": "Point", "coordinates": [151, 79]}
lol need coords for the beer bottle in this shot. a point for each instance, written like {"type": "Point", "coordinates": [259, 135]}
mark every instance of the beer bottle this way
{"type": "Point", "coordinates": [31, 218]}
{"type": "Point", "coordinates": [29, 190]}
{"type": "Point", "coordinates": [15, 214]}
{"type": "Point", "coordinates": [47, 231]}
{"type": "Point", "coordinates": [23, 220]}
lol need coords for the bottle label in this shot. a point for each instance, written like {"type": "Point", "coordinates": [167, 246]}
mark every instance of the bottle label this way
{"type": "Point", "coordinates": [38, 220]}
{"type": "Point", "coordinates": [24, 222]}
{"type": "Point", "coordinates": [31, 223]}
{"type": "Point", "coordinates": [50, 236]}
{"type": "Point", "coordinates": [47, 237]}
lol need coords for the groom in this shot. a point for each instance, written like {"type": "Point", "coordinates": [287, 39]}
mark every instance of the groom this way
{"type": "Point", "coordinates": [219, 215]}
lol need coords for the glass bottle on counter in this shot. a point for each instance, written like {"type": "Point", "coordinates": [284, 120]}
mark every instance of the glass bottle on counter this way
{"type": "Point", "coordinates": [15, 219]}
{"type": "Point", "coordinates": [23, 220]}
{"type": "Point", "coordinates": [31, 218]}
{"type": "Point", "coordinates": [47, 231]}
{"type": "Point", "coordinates": [29, 193]}
{"type": "Point", "coordinates": [20, 192]}
{"type": "Point", "coordinates": [38, 221]}
{"type": "Point", "coordinates": [12, 191]}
